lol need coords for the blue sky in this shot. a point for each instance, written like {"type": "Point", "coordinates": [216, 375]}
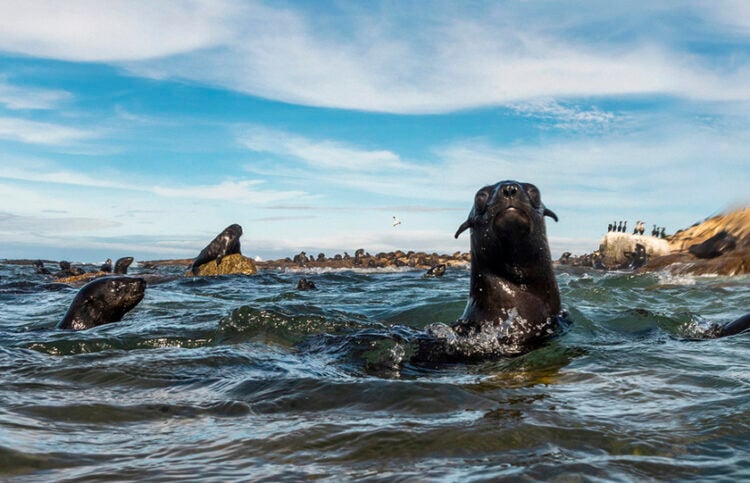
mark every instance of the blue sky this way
{"type": "Point", "coordinates": [144, 128]}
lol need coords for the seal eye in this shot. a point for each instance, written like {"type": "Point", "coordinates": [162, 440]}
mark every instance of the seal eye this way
{"type": "Point", "coordinates": [480, 200]}
{"type": "Point", "coordinates": [534, 196]}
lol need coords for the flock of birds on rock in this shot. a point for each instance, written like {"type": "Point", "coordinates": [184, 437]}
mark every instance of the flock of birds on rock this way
{"type": "Point", "coordinates": [640, 228]}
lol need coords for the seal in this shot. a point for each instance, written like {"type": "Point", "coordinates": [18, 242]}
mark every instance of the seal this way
{"type": "Point", "coordinates": [226, 243]}
{"type": "Point", "coordinates": [106, 266]}
{"type": "Point", "coordinates": [102, 301]}
{"type": "Point", "coordinates": [715, 246]}
{"type": "Point", "coordinates": [514, 301]}
{"type": "Point", "coordinates": [40, 268]}
{"type": "Point", "coordinates": [436, 271]}
{"type": "Point", "coordinates": [122, 264]}
{"type": "Point", "coordinates": [67, 270]}
{"type": "Point", "coordinates": [305, 284]}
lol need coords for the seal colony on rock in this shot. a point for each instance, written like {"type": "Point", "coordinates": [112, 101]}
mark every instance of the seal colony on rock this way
{"type": "Point", "coordinates": [514, 301]}
{"type": "Point", "coordinates": [102, 301]}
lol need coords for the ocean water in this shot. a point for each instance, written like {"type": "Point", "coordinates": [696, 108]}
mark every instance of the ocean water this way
{"type": "Point", "coordinates": [247, 379]}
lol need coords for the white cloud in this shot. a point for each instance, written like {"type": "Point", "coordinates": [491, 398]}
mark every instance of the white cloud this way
{"type": "Point", "coordinates": [407, 60]}
{"type": "Point", "coordinates": [15, 97]}
{"type": "Point", "coordinates": [325, 154]}
{"type": "Point", "coordinates": [15, 223]}
{"type": "Point", "coordinates": [565, 117]}
{"type": "Point", "coordinates": [243, 191]}
{"type": "Point", "coordinates": [35, 132]}
{"type": "Point", "coordinates": [116, 30]}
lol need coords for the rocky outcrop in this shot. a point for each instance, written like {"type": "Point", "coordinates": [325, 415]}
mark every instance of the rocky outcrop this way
{"type": "Point", "coordinates": [234, 264]}
{"type": "Point", "coordinates": [83, 278]}
{"type": "Point", "coordinates": [726, 258]}
{"type": "Point", "coordinates": [736, 223]}
{"type": "Point", "coordinates": [617, 249]}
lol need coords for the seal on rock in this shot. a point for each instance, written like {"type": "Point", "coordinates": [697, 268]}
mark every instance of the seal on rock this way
{"type": "Point", "coordinates": [514, 301]}
{"type": "Point", "coordinates": [226, 243]}
{"type": "Point", "coordinates": [103, 300]}
{"type": "Point", "coordinates": [715, 246]}
{"type": "Point", "coordinates": [106, 266]}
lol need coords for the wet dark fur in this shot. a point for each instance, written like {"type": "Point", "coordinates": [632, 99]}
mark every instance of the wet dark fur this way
{"type": "Point", "coordinates": [103, 300]}
{"type": "Point", "coordinates": [514, 301]}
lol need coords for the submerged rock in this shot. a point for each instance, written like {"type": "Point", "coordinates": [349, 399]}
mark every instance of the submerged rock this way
{"type": "Point", "coordinates": [234, 264]}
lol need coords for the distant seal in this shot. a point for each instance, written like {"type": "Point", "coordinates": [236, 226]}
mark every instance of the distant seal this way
{"type": "Point", "coordinates": [305, 284]}
{"type": "Point", "coordinates": [514, 301]}
{"type": "Point", "coordinates": [40, 268]}
{"type": "Point", "coordinates": [639, 258]}
{"type": "Point", "coordinates": [715, 246]}
{"type": "Point", "coordinates": [226, 243]}
{"type": "Point", "coordinates": [103, 300]}
{"type": "Point", "coordinates": [436, 271]}
{"type": "Point", "coordinates": [122, 264]}
{"type": "Point", "coordinates": [67, 270]}
{"type": "Point", "coordinates": [106, 266]}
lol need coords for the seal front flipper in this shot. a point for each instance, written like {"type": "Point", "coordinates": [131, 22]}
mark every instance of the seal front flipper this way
{"type": "Point", "coordinates": [736, 327]}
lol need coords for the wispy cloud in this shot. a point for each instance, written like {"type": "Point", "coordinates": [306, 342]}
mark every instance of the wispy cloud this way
{"type": "Point", "coordinates": [324, 154]}
{"type": "Point", "coordinates": [235, 190]}
{"type": "Point", "coordinates": [243, 191]}
{"type": "Point", "coordinates": [35, 132]}
{"type": "Point", "coordinates": [119, 30]}
{"type": "Point", "coordinates": [16, 97]}
{"type": "Point", "coordinates": [15, 223]}
{"type": "Point", "coordinates": [406, 60]}
{"type": "Point", "coordinates": [565, 117]}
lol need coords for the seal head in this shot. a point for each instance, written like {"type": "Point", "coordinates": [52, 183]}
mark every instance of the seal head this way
{"type": "Point", "coordinates": [102, 301]}
{"type": "Point", "coordinates": [226, 243]}
{"type": "Point", "coordinates": [514, 301]}
{"type": "Point", "coordinates": [122, 265]}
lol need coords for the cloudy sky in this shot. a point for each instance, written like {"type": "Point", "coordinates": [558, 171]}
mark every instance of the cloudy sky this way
{"type": "Point", "coordinates": [145, 127]}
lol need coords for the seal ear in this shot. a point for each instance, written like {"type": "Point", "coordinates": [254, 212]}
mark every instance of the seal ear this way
{"type": "Point", "coordinates": [550, 213]}
{"type": "Point", "coordinates": [463, 227]}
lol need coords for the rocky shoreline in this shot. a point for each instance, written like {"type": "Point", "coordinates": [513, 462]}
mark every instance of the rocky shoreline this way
{"type": "Point", "coordinates": [360, 259]}
{"type": "Point", "coordinates": [719, 245]}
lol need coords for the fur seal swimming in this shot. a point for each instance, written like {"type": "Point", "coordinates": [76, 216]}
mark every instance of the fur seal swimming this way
{"type": "Point", "coordinates": [103, 300]}
{"type": "Point", "coordinates": [226, 243]}
{"type": "Point", "coordinates": [514, 301]}
{"type": "Point", "coordinates": [122, 264]}
{"type": "Point", "coordinates": [305, 284]}
{"type": "Point", "coordinates": [436, 271]}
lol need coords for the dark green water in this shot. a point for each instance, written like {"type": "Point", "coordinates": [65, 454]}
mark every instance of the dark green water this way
{"type": "Point", "coordinates": [234, 378]}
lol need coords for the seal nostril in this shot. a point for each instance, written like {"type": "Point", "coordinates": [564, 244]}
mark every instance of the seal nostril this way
{"type": "Point", "coordinates": [510, 190]}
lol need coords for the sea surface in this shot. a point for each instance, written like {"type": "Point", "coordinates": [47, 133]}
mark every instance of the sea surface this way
{"type": "Point", "coordinates": [243, 378]}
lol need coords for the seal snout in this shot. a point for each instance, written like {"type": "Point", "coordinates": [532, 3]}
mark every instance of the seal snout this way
{"type": "Point", "coordinates": [509, 190]}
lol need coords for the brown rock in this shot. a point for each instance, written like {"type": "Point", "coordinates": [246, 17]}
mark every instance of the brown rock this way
{"type": "Point", "coordinates": [235, 264]}
{"type": "Point", "coordinates": [83, 278]}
